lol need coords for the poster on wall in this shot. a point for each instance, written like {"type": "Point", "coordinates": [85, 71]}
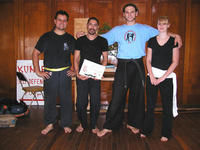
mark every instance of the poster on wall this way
{"type": "Point", "coordinates": [80, 24]}
{"type": "Point", "coordinates": [27, 69]}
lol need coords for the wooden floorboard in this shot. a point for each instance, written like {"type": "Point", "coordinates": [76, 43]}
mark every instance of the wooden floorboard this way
{"type": "Point", "coordinates": [26, 135]}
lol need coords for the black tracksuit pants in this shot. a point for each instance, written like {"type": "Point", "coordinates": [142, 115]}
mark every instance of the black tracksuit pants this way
{"type": "Point", "coordinates": [166, 90]}
{"type": "Point", "coordinates": [93, 88]}
{"type": "Point", "coordinates": [59, 84]}
{"type": "Point", "coordinates": [127, 74]}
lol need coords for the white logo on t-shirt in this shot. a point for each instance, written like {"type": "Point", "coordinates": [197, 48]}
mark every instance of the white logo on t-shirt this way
{"type": "Point", "coordinates": [66, 47]}
{"type": "Point", "coordinates": [129, 36]}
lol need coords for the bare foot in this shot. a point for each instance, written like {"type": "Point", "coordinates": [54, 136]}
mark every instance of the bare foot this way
{"type": "Point", "coordinates": [133, 129]}
{"type": "Point", "coordinates": [67, 130]}
{"type": "Point", "coordinates": [103, 132]}
{"type": "Point", "coordinates": [95, 131]}
{"type": "Point", "coordinates": [163, 139]}
{"type": "Point", "coordinates": [47, 129]}
{"type": "Point", "coordinates": [79, 128]}
{"type": "Point", "coordinates": [142, 135]}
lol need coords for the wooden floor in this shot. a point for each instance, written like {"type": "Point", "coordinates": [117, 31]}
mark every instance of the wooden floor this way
{"type": "Point", "coordinates": [26, 136]}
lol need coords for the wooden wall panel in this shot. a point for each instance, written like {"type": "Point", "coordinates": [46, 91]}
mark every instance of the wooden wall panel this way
{"type": "Point", "coordinates": [36, 22]}
{"type": "Point", "coordinates": [193, 78]}
{"type": "Point", "coordinates": [101, 10]}
{"type": "Point", "coordinates": [74, 9]}
{"type": "Point", "coordinates": [7, 55]}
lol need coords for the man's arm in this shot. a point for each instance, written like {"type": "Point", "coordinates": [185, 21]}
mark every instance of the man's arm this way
{"type": "Point", "coordinates": [109, 36]}
{"type": "Point", "coordinates": [35, 58]}
{"type": "Point", "coordinates": [177, 39]}
{"type": "Point", "coordinates": [76, 65]}
{"type": "Point", "coordinates": [76, 61]}
{"type": "Point", "coordinates": [71, 72]}
{"type": "Point", "coordinates": [153, 32]}
{"type": "Point", "coordinates": [149, 67]}
{"type": "Point", "coordinates": [105, 58]}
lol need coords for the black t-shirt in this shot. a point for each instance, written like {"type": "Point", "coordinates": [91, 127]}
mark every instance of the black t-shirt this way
{"type": "Point", "coordinates": [161, 55]}
{"type": "Point", "coordinates": [57, 49]}
{"type": "Point", "coordinates": [91, 49]}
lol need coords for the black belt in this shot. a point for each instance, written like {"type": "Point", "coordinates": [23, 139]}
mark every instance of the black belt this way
{"type": "Point", "coordinates": [138, 66]}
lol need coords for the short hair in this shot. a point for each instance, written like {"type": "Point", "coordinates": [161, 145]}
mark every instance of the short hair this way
{"type": "Point", "coordinates": [163, 18]}
{"type": "Point", "coordinates": [93, 18]}
{"type": "Point", "coordinates": [132, 5]}
{"type": "Point", "coordinates": [61, 12]}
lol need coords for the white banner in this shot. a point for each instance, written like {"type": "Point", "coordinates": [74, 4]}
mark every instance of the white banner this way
{"type": "Point", "coordinates": [26, 67]}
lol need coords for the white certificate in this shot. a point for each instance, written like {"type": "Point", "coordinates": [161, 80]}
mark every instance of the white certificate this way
{"type": "Point", "coordinates": [91, 69]}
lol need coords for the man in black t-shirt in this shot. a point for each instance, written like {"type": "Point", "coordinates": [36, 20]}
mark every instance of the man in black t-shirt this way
{"type": "Point", "coordinates": [90, 47]}
{"type": "Point", "coordinates": [57, 46]}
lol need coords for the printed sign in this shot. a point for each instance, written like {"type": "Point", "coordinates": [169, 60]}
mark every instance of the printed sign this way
{"type": "Point", "coordinates": [27, 69]}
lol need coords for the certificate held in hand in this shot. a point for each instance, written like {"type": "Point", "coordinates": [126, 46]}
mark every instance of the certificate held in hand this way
{"type": "Point", "coordinates": [92, 70]}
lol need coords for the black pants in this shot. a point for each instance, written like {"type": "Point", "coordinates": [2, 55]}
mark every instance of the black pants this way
{"type": "Point", "coordinates": [166, 90]}
{"type": "Point", "coordinates": [85, 87]}
{"type": "Point", "coordinates": [127, 72]}
{"type": "Point", "coordinates": [59, 84]}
